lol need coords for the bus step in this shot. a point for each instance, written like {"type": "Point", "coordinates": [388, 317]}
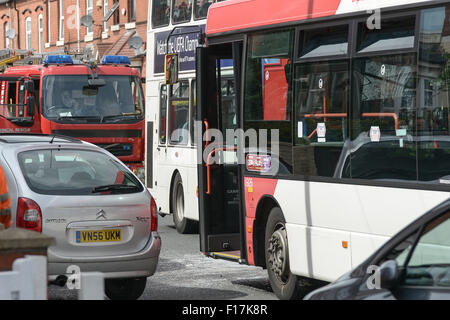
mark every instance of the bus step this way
{"type": "Point", "coordinates": [227, 255]}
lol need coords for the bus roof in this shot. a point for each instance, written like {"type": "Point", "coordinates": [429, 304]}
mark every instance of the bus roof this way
{"type": "Point", "coordinates": [233, 15]}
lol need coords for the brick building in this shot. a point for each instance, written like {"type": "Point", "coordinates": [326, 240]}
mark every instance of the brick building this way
{"type": "Point", "coordinates": [54, 26]}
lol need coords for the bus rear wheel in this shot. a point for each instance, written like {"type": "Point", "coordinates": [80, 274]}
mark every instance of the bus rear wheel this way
{"type": "Point", "coordinates": [284, 284]}
{"type": "Point", "coordinates": [183, 224]}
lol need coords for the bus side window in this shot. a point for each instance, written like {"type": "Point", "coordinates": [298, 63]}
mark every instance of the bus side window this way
{"type": "Point", "coordinates": [321, 101]}
{"type": "Point", "coordinates": [181, 11]}
{"type": "Point", "coordinates": [267, 102]}
{"type": "Point", "coordinates": [179, 113]}
{"type": "Point", "coordinates": [383, 133]}
{"type": "Point", "coordinates": [160, 13]}
{"type": "Point", "coordinates": [433, 114]}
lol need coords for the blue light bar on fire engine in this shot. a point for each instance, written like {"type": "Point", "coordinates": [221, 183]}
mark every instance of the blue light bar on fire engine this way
{"type": "Point", "coordinates": [58, 59]}
{"type": "Point", "coordinates": [116, 60]}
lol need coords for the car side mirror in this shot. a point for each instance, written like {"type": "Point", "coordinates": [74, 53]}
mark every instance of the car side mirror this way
{"type": "Point", "coordinates": [31, 106]}
{"type": "Point", "coordinates": [389, 274]}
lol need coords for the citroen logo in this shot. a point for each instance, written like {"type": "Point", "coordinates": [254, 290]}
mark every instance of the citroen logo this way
{"type": "Point", "coordinates": [101, 214]}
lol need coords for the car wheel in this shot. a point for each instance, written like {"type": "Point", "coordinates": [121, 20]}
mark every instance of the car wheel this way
{"type": "Point", "coordinates": [284, 284]}
{"type": "Point", "coordinates": [125, 289]}
{"type": "Point", "coordinates": [182, 224]}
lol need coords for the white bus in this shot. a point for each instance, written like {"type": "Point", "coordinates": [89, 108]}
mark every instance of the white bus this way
{"type": "Point", "coordinates": [171, 157]}
{"type": "Point", "coordinates": [358, 93]}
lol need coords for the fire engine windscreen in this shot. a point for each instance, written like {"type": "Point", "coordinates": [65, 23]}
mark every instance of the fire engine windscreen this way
{"type": "Point", "coordinates": [70, 98]}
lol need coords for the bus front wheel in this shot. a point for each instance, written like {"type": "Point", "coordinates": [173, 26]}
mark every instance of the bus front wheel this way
{"type": "Point", "coordinates": [284, 284]}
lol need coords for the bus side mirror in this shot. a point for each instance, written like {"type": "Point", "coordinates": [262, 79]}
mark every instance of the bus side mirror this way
{"type": "Point", "coordinates": [31, 106]}
{"type": "Point", "coordinates": [29, 86]}
{"type": "Point", "coordinates": [171, 68]}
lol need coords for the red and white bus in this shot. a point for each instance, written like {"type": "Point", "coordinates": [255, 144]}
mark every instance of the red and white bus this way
{"type": "Point", "coordinates": [358, 94]}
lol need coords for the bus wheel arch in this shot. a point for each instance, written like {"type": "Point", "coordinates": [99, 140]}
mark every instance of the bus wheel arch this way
{"type": "Point", "coordinates": [172, 180]}
{"type": "Point", "coordinates": [265, 205]}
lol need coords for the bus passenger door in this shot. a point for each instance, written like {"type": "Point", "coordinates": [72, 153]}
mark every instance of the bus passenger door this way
{"type": "Point", "coordinates": [220, 209]}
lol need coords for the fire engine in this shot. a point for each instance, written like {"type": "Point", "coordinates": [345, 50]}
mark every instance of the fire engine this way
{"type": "Point", "coordinates": [100, 103]}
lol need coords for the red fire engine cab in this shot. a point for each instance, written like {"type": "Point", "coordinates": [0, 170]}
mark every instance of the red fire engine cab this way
{"type": "Point", "coordinates": [100, 103]}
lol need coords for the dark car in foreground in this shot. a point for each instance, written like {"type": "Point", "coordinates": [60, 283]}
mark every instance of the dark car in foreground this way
{"type": "Point", "coordinates": [412, 265]}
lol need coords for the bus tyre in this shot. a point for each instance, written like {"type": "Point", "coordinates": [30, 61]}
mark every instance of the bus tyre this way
{"type": "Point", "coordinates": [284, 284]}
{"type": "Point", "coordinates": [125, 289]}
{"type": "Point", "coordinates": [182, 224]}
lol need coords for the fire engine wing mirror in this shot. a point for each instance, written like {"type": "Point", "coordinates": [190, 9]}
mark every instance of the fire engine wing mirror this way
{"type": "Point", "coordinates": [96, 82]}
{"type": "Point", "coordinates": [29, 86]}
{"type": "Point", "coordinates": [171, 68]}
{"type": "Point", "coordinates": [31, 106]}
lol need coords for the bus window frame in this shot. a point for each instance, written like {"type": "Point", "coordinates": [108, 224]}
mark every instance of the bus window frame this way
{"type": "Point", "coordinates": [172, 21]}
{"type": "Point", "coordinates": [353, 19]}
{"type": "Point", "coordinates": [160, 143]}
{"type": "Point", "coordinates": [153, 26]}
{"type": "Point", "coordinates": [320, 59]}
{"type": "Point", "coordinates": [170, 143]}
{"type": "Point", "coordinates": [350, 57]}
{"type": "Point", "coordinates": [192, 110]}
{"type": "Point", "coordinates": [408, 13]}
{"type": "Point", "coordinates": [317, 26]}
{"type": "Point", "coordinates": [194, 7]}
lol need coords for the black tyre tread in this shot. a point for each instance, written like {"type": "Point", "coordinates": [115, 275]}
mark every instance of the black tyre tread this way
{"type": "Point", "coordinates": [185, 226]}
{"type": "Point", "coordinates": [290, 290]}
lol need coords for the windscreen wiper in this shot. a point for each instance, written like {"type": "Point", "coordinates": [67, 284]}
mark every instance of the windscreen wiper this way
{"type": "Point", "coordinates": [121, 116]}
{"type": "Point", "coordinates": [79, 117]}
{"type": "Point", "coordinates": [114, 187]}
{"type": "Point", "coordinates": [12, 119]}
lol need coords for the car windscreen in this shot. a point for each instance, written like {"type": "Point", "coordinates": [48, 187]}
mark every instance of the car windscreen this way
{"type": "Point", "coordinates": [70, 97]}
{"type": "Point", "coordinates": [76, 172]}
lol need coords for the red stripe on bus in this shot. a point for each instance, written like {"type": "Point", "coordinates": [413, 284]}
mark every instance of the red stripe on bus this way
{"type": "Point", "coordinates": [255, 189]}
{"type": "Point", "coordinates": [243, 14]}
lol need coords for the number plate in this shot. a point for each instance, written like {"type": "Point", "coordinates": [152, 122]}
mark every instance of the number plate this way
{"type": "Point", "coordinates": [112, 235]}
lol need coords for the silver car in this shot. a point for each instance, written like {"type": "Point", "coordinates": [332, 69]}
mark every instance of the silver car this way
{"type": "Point", "coordinates": [102, 217]}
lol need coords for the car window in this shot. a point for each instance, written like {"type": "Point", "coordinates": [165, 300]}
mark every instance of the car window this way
{"type": "Point", "coordinates": [429, 264]}
{"type": "Point", "coordinates": [401, 252]}
{"type": "Point", "coordinates": [75, 172]}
